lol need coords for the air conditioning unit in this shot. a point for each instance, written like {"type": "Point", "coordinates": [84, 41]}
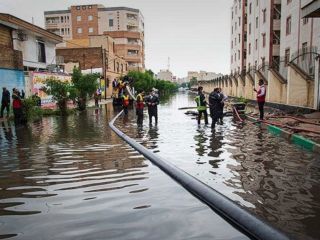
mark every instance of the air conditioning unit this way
{"type": "Point", "coordinates": [21, 36]}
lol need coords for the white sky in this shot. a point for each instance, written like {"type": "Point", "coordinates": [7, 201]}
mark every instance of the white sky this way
{"type": "Point", "coordinates": [195, 34]}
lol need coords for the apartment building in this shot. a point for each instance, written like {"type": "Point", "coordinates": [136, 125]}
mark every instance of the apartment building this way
{"type": "Point", "coordinates": [125, 25]}
{"type": "Point", "coordinates": [165, 75]}
{"type": "Point", "coordinates": [238, 36]}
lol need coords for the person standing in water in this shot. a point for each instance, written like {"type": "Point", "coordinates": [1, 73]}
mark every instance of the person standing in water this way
{"type": "Point", "coordinates": [201, 105]}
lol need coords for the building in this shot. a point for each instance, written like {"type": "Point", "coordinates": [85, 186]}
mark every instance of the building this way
{"type": "Point", "coordinates": [24, 48]}
{"type": "Point", "coordinates": [165, 75]}
{"type": "Point", "coordinates": [202, 75]}
{"type": "Point", "coordinates": [238, 36]}
{"type": "Point", "coordinates": [97, 56]}
{"type": "Point", "coordinates": [125, 25]}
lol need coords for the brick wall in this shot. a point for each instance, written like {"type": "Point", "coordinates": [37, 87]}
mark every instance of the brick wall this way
{"type": "Point", "coordinates": [87, 57]}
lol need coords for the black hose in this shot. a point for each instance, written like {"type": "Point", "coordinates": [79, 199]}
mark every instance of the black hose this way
{"type": "Point", "coordinates": [246, 222]}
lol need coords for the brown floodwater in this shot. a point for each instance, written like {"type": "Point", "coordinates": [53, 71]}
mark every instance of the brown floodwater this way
{"type": "Point", "coordinates": [277, 181]}
{"type": "Point", "coordinates": [73, 178]}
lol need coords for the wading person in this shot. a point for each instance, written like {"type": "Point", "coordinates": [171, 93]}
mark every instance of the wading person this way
{"type": "Point", "coordinates": [5, 102]}
{"type": "Point", "coordinates": [139, 108]}
{"type": "Point", "coordinates": [152, 104]}
{"type": "Point", "coordinates": [215, 99]}
{"type": "Point", "coordinates": [261, 97]}
{"type": "Point", "coordinates": [17, 107]}
{"type": "Point", "coordinates": [201, 105]}
{"type": "Point", "coordinates": [125, 102]}
{"type": "Point", "coordinates": [224, 98]}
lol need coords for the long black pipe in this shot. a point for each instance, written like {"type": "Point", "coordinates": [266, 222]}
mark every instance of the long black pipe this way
{"type": "Point", "coordinates": [246, 222]}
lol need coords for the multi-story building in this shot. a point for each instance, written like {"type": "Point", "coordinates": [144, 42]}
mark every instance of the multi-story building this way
{"type": "Point", "coordinates": [165, 75]}
{"type": "Point", "coordinates": [238, 36]}
{"type": "Point", "coordinates": [125, 25]}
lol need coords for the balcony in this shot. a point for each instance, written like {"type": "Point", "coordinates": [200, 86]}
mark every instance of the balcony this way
{"type": "Point", "coordinates": [276, 25]}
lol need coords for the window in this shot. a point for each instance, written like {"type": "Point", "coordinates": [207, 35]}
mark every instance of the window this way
{"type": "Point", "coordinates": [249, 48]}
{"type": "Point", "coordinates": [287, 56]}
{"type": "Point", "coordinates": [78, 18]}
{"type": "Point", "coordinates": [257, 2]}
{"type": "Point", "coordinates": [68, 19]}
{"type": "Point", "coordinates": [239, 4]}
{"type": "Point", "coordinates": [249, 28]}
{"type": "Point", "coordinates": [289, 1]}
{"type": "Point", "coordinates": [239, 21]}
{"type": "Point", "coordinates": [110, 22]}
{"type": "Point", "coordinates": [62, 31]}
{"type": "Point", "coordinates": [84, 7]}
{"type": "Point", "coordinates": [263, 60]}
{"type": "Point", "coordinates": [305, 21]}
{"type": "Point", "coordinates": [79, 30]}
{"type": "Point", "coordinates": [257, 22]}
{"type": "Point", "coordinates": [263, 39]}
{"type": "Point", "coordinates": [61, 19]}
{"type": "Point", "coordinates": [235, 56]}
{"type": "Point", "coordinates": [264, 14]}
{"type": "Point", "coordinates": [232, 15]}
{"type": "Point", "coordinates": [90, 7]}
{"type": "Point", "coordinates": [256, 45]}
{"type": "Point", "coordinates": [239, 54]}
{"type": "Point", "coordinates": [304, 50]}
{"type": "Point", "coordinates": [250, 8]}
{"type": "Point", "coordinates": [288, 26]}
{"type": "Point", "coordinates": [90, 18]}
{"type": "Point", "coordinates": [78, 7]}
{"type": "Point", "coordinates": [231, 58]}
{"type": "Point", "coordinates": [90, 29]}
{"type": "Point", "coordinates": [41, 52]}
{"type": "Point", "coordinates": [239, 38]}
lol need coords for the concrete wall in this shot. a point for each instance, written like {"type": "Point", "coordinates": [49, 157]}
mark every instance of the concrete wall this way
{"type": "Point", "coordinates": [297, 92]}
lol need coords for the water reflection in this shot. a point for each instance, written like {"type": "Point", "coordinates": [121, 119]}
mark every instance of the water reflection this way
{"type": "Point", "coordinates": [73, 178]}
{"type": "Point", "coordinates": [274, 179]}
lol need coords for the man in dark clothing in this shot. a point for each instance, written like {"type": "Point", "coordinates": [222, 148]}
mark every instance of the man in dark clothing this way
{"type": "Point", "coordinates": [152, 103]}
{"type": "Point", "coordinates": [215, 99]}
{"type": "Point", "coordinates": [5, 102]}
{"type": "Point", "coordinates": [201, 105]}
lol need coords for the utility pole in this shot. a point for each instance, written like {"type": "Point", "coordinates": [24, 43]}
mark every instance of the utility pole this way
{"type": "Point", "coordinates": [168, 63]}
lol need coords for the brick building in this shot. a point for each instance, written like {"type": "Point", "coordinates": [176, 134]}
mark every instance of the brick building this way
{"type": "Point", "coordinates": [125, 25]}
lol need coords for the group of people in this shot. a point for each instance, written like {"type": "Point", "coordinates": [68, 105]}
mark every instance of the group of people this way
{"type": "Point", "coordinates": [151, 101]}
{"type": "Point", "coordinates": [216, 104]}
{"type": "Point", "coordinates": [17, 104]}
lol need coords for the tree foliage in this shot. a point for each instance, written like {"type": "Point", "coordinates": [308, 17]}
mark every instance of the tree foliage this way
{"type": "Point", "coordinates": [193, 81]}
{"type": "Point", "coordinates": [146, 81]}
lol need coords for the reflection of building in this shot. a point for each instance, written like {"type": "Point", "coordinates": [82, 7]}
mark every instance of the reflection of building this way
{"type": "Point", "coordinates": [165, 75]}
{"type": "Point", "coordinates": [98, 55]}
{"type": "Point", "coordinates": [125, 25]}
{"type": "Point", "coordinates": [23, 46]}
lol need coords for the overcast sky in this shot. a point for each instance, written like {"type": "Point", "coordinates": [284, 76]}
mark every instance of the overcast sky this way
{"type": "Point", "coordinates": [195, 34]}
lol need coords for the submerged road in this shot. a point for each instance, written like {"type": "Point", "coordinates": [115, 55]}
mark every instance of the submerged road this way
{"type": "Point", "coordinates": [275, 180]}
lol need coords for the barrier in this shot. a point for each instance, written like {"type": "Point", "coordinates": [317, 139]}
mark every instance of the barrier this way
{"type": "Point", "coordinates": [249, 224]}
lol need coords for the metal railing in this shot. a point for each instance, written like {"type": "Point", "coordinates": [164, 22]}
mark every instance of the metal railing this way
{"type": "Point", "coordinates": [305, 60]}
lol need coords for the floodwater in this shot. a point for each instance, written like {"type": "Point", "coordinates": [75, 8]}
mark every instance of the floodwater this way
{"type": "Point", "coordinates": [72, 178]}
{"type": "Point", "coordinates": [265, 174]}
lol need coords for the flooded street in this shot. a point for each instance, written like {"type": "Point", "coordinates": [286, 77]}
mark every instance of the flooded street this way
{"type": "Point", "coordinates": [72, 178]}
{"type": "Point", "coordinates": [265, 174]}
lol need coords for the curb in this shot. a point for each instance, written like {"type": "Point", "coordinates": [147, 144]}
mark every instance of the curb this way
{"type": "Point", "coordinates": [293, 138]}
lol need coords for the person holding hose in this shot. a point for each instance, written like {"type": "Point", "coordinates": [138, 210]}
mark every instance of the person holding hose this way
{"type": "Point", "coordinates": [201, 105]}
{"type": "Point", "coordinates": [261, 97]}
{"type": "Point", "coordinates": [125, 102]}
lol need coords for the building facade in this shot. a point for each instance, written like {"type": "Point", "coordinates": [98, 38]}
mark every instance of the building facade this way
{"type": "Point", "coordinates": [125, 25]}
{"type": "Point", "coordinates": [279, 41]}
{"type": "Point", "coordinates": [24, 48]}
{"type": "Point", "coordinates": [165, 75]}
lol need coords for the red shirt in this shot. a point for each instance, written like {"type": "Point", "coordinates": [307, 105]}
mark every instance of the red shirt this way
{"type": "Point", "coordinates": [261, 94]}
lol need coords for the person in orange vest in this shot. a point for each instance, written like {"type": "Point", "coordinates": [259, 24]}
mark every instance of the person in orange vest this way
{"type": "Point", "coordinates": [261, 97]}
{"type": "Point", "coordinates": [140, 107]}
{"type": "Point", "coordinates": [125, 102]}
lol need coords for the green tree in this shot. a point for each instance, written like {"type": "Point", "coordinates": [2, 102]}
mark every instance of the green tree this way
{"type": "Point", "coordinates": [193, 81]}
{"type": "Point", "coordinates": [85, 85]}
{"type": "Point", "coordinates": [59, 91]}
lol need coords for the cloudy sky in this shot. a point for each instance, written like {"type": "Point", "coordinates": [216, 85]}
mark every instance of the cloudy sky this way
{"type": "Point", "coordinates": [194, 34]}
